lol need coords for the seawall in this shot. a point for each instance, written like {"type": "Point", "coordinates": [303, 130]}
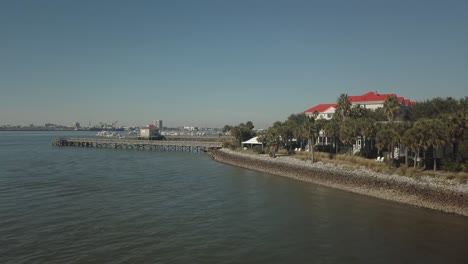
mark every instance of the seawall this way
{"type": "Point", "coordinates": [444, 196]}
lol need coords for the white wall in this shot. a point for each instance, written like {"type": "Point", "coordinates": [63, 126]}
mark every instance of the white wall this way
{"type": "Point", "coordinates": [327, 114]}
{"type": "Point", "coordinates": [144, 132]}
{"type": "Point", "coordinates": [149, 133]}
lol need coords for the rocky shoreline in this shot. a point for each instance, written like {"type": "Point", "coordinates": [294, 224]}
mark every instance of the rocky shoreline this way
{"type": "Point", "coordinates": [428, 192]}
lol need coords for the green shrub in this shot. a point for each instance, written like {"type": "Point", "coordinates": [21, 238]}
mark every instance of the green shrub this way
{"type": "Point", "coordinates": [345, 150]}
{"type": "Point", "coordinates": [229, 145]}
{"type": "Point", "coordinates": [258, 150]}
{"type": "Point", "coordinates": [451, 165]}
{"type": "Point", "coordinates": [324, 148]}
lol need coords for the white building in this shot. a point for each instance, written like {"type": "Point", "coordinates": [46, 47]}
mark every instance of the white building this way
{"type": "Point", "coordinates": [324, 111]}
{"type": "Point", "coordinates": [370, 100]}
{"type": "Point", "coordinates": [159, 124]}
{"type": "Point", "coordinates": [150, 132]}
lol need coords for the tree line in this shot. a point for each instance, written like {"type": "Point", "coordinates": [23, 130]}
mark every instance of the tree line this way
{"type": "Point", "coordinates": [432, 132]}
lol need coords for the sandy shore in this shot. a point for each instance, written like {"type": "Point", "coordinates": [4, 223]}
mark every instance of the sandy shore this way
{"type": "Point", "coordinates": [439, 194]}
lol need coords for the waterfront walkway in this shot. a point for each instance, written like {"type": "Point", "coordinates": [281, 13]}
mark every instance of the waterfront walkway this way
{"type": "Point", "coordinates": [163, 145]}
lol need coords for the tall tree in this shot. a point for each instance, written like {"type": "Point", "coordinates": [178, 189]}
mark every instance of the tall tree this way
{"type": "Point", "coordinates": [249, 125]}
{"type": "Point", "coordinates": [378, 114]}
{"type": "Point", "coordinates": [456, 124]}
{"type": "Point", "coordinates": [391, 107]}
{"type": "Point", "coordinates": [400, 129]}
{"type": "Point", "coordinates": [271, 137]}
{"type": "Point", "coordinates": [311, 131]}
{"type": "Point", "coordinates": [359, 111]}
{"type": "Point", "coordinates": [423, 127]}
{"type": "Point", "coordinates": [242, 132]}
{"type": "Point", "coordinates": [286, 134]}
{"type": "Point", "coordinates": [343, 107]}
{"type": "Point", "coordinates": [333, 127]}
{"type": "Point", "coordinates": [434, 108]}
{"type": "Point", "coordinates": [349, 131]}
{"type": "Point", "coordinates": [296, 121]}
{"type": "Point", "coordinates": [367, 131]}
{"type": "Point", "coordinates": [227, 128]}
{"type": "Point", "coordinates": [387, 137]}
{"type": "Point", "coordinates": [437, 137]}
{"type": "Point", "coordinates": [414, 137]}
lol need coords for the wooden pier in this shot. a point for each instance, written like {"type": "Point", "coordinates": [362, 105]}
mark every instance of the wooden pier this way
{"type": "Point", "coordinates": [162, 145]}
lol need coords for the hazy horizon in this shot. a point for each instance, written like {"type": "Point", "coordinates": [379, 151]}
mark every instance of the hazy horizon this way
{"type": "Point", "coordinates": [211, 63]}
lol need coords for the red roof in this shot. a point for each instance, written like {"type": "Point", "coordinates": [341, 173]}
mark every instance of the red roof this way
{"type": "Point", "coordinates": [376, 97]}
{"type": "Point", "coordinates": [151, 127]}
{"type": "Point", "coordinates": [369, 97]}
{"type": "Point", "coordinates": [320, 108]}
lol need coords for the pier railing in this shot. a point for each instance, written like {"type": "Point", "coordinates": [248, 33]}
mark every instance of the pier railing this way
{"type": "Point", "coordinates": [164, 145]}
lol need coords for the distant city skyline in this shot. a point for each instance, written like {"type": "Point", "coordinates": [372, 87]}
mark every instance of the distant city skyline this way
{"type": "Point", "coordinates": [210, 63]}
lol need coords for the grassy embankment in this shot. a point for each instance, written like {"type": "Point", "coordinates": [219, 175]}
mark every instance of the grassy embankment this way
{"type": "Point", "coordinates": [461, 177]}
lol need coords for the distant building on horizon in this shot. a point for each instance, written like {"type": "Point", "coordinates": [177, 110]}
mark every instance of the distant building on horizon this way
{"type": "Point", "coordinates": [190, 128]}
{"type": "Point", "coordinates": [370, 100]}
{"type": "Point", "coordinates": [150, 132]}
{"type": "Point", "coordinates": [158, 123]}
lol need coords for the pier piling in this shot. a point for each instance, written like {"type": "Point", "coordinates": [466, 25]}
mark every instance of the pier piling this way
{"type": "Point", "coordinates": [160, 145]}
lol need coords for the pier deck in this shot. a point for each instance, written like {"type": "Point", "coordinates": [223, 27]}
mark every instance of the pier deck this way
{"type": "Point", "coordinates": [163, 145]}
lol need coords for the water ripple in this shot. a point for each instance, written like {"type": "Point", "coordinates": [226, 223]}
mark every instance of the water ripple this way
{"type": "Point", "coordinates": [77, 205]}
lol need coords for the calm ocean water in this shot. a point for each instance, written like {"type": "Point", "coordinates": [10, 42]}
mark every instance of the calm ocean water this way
{"type": "Point", "coordinates": [79, 205]}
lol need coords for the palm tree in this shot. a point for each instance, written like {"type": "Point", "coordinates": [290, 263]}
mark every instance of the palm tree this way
{"type": "Point", "coordinates": [241, 132]}
{"type": "Point", "coordinates": [249, 125]}
{"type": "Point", "coordinates": [271, 137]}
{"type": "Point", "coordinates": [366, 128]}
{"type": "Point", "coordinates": [424, 136]}
{"type": "Point", "coordinates": [438, 137]}
{"type": "Point", "coordinates": [295, 122]}
{"type": "Point", "coordinates": [286, 134]}
{"type": "Point", "coordinates": [391, 107]}
{"type": "Point", "coordinates": [227, 128]}
{"type": "Point", "coordinates": [311, 132]}
{"type": "Point", "coordinates": [400, 129]}
{"type": "Point", "coordinates": [387, 137]}
{"type": "Point", "coordinates": [408, 140]}
{"type": "Point", "coordinates": [333, 127]}
{"type": "Point", "coordinates": [343, 107]}
{"type": "Point", "coordinates": [457, 124]}
{"type": "Point", "coordinates": [236, 132]}
{"type": "Point", "coordinates": [278, 129]}
{"type": "Point", "coordinates": [349, 131]}
{"type": "Point", "coordinates": [297, 134]}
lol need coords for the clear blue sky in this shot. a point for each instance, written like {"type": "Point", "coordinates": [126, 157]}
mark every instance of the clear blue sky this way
{"type": "Point", "coordinates": [210, 63]}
